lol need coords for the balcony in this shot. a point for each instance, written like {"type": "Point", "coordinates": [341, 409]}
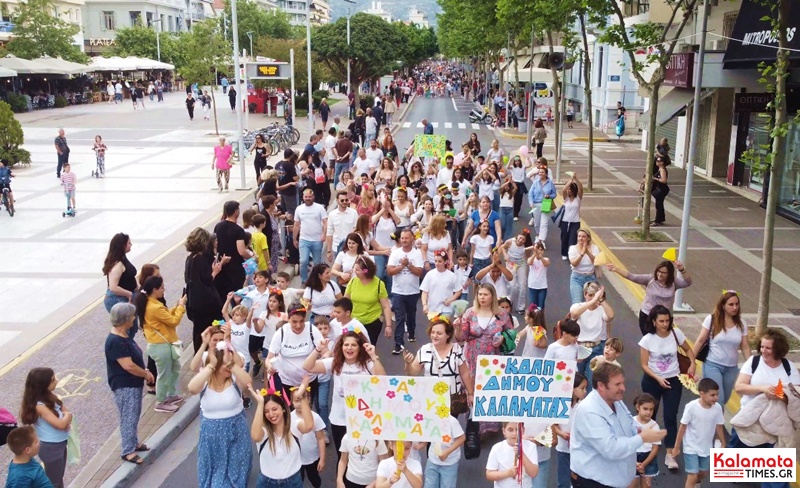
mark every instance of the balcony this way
{"type": "Point", "coordinates": [640, 11]}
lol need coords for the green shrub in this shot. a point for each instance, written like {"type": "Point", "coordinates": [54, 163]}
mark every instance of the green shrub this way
{"type": "Point", "coordinates": [321, 94]}
{"type": "Point", "coordinates": [11, 137]}
{"type": "Point", "coordinates": [61, 102]}
{"type": "Point", "coordinates": [18, 103]}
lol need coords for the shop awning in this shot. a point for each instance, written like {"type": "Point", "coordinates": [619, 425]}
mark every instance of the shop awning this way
{"type": "Point", "coordinates": [672, 104]}
{"type": "Point", "coordinates": [131, 63]}
{"type": "Point", "coordinates": [28, 66]}
{"type": "Point", "coordinates": [752, 40]}
{"type": "Point", "coordinates": [61, 64]}
{"type": "Point", "coordinates": [537, 75]}
{"type": "Point", "coordinates": [7, 73]}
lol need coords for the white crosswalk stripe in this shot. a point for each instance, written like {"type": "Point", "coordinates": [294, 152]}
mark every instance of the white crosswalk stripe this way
{"type": "Point", "coordinates": [476, 126]}
{"type": "Point", "coordinates": [462, 125]}
{"type": "Point", "coordinates": [435, 125]}
{"type": "Point", "coordinates": [419, 125]}
{"type": "Point", "coordinates": [406, 125]}
{"type": "Point", "coordinates": [448, 125]}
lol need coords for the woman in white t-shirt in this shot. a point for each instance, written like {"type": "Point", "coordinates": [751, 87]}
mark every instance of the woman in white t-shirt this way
{"type": "Point", "coordinates": [346, 259]}
{"type": "Point", "coordinates": [481, 244]}
{"type": "Point", "coordinates": [223, 451]}
{"type": "Point", "coordinates": [659, 360]}
{"type": "Point", "coordinates": [293, 343]}
{"type": "Point", "coordinates": [440, 287]}
{"type": "Point", "coordinates": [359, 461]}
{"type": "Point", "coordinates": [277, 437]}
{"type": "Point", "coordinates": [352, 354]}
{"type": "Point", "coordinates": [594, 316]}
{"type": "Point", "coordinates": [399, 473]}
{"type": "Point", "coordinates": [761, 373]}
{"type": "Point", "coordinates": [581, 259]}
{"type": "Point", "coordinates": [436, 238]}
{"type": "Point", "coordinates": [571, 220]}
{"type": "Point", "coordinates": [726, 335]}
{"type": "Point", "coordinates": [320, 290]}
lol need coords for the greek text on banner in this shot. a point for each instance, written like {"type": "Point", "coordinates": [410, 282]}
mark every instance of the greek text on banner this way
{"type": "Point", "coordinates": [515, 389]}
{"type": "Point", "coordinates": [404, 408]}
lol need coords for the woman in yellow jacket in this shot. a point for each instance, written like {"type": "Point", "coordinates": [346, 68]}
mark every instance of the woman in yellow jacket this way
{"type": "Point", "coordinates": [159, 327]}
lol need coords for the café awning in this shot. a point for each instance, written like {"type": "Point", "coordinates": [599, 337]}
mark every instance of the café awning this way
{"type": "Point", "coordinates": [67, 66]}
{"type": "Point", "coordinates": [28, 66]}
{"type": "Point", "coordinates": [130, 63]}
{"type": "Point", "coordinates": [7, 73]}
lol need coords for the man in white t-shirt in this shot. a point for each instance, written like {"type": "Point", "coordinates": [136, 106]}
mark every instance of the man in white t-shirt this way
{"type": "Point", "coordinates": [445, 175]}
{"type": "Point", "coordinates": [341, 221]}
{"type": "Point", "coordinates": [330, 143]}
{"type": "Point", "coordinates": [310, 228]}
{"type": "Point", "coordinates": [363, 165]}
{"type": "Point", "coordinates": [405, 266]}
{"type": "Point", "coordinates": [593, 316]}
{"type": "Point", "coordinates": [374, 153]}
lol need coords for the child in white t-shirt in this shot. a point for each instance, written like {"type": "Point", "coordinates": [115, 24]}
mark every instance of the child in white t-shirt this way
{"type": "Point", "coordinates": [463, 272]}
{"type": "Point", "coordinates": [359, 461]}
{"type": "Point", "coordinates": [562, 431]}
{"type": "Point", "coordinates": [443, 457]}
{"type": "Point", "coordinates": [702, 419]}
{"type": "Point", "coordinates": [612, 350]}
{"type": "Point", "coordinates": [567, 347]}
{"type": "Point", "coordinates": [646, 463]}
{"type": "Point", "coordinates": [312, 444]}
{"type": "Point", "coordinates": [236, 322]}
{"type": "Point", "coordinates": [410, 471]}
{"type": "Point", "coordinates": [501, 466]}
{"type": "Point", "coordinates": [534, 333]}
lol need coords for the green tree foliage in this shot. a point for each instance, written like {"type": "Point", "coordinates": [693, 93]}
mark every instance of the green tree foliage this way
{"type": "Point", "coordinates": [278, 49]}
{"type": "Point", "coordinates": [141, 41]}
{"type": "Point", "coordinates": [206, 51]}
{"type": "Point", "coordinates": [422, 43]}
{"type": "Point", "coordinates": [375, 47]}
{"type": "Point", "coordinates": [252, 18]}
{"type": "Point", "coordinates": [38, 33]}
{"type": "Point", "coordinates": [11, 137]}
{"type": "Point", "coordinates": [470, 27]}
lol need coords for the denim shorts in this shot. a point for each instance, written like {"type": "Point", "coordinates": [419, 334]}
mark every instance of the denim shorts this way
{"type": "Point", "coordinates": [651, 469]}
{"type": "Point", "coordinates": [694, 463]}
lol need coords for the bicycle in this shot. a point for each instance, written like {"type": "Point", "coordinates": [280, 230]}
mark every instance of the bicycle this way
{"type": "Point", "coordinates": [7, 201]}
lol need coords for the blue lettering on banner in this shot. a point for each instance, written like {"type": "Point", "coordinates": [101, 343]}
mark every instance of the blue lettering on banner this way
{"type": "Point", "coordinates": [534, 366]}
{"type": "Point", "coordinates": [514, 406]}
{"type": "Point", "coordinates": [518, 383]}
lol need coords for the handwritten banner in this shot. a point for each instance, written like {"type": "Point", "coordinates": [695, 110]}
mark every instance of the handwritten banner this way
{"type": "Point", "coordinates": [405, 408]}
{"type": "Point", "coordinates": [515, 389]}
{"type": "Point", "coordinates": [428, 146]}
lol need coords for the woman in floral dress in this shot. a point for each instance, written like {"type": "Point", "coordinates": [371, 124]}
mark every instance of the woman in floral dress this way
{"type": "Point", "coordinates": [477, 330]}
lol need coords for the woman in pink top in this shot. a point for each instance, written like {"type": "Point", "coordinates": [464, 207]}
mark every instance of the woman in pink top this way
{"type": "Point", "coordinates": [659, 287]}
{"type": "Point", "coordinates": [223, 154]}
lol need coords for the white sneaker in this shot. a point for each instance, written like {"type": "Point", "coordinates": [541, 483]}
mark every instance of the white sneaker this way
{"type": "Point", "coordinates": [670, 461]}
{"type": "Point", "coordinates": [165, 407]}
{"type": "Point", "coordinates": [516, 219]}
{"type": "Point", "coordinates": [563, 258]}
{"type": "Point", "coordinates": [530, 222]}
{"type": "Point", "coordinates": [327, 437]}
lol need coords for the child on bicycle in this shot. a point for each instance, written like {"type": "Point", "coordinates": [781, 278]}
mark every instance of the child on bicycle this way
{"type": "Point", "coordinates": [5, 181]}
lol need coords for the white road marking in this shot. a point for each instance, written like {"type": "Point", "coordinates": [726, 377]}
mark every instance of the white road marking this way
{"type": "Point", "coordinates": [435, 125]}
{"type": "Point", "coordinates": [476, 126]}
{"type": "Point", "coordinates": [419, 125]}
{"type": "Point", "coordinates": [462, 125]}
{"type": "Point", "coordinates": [454, 104]}
{"type": "Point", "coordinates": [448, 125]}
{"type": "Point", "coordinates": [406, 125]}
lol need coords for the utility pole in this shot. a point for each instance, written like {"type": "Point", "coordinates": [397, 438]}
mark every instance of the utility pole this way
{"type": "Point", "coordinates": [680, 305]}
{"type": "Point", "coordinates": [239, 95]}
{"type": "Point", "coordinates": [308, 61]}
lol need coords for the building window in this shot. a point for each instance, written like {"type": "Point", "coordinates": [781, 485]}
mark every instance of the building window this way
{"type": "Point", "coordinates": [136, 17]}
{"type": "Point", "coordinates": [728, 21]}
{"type": "Point", "coordinates": [600, 53]}
{"type": "Point", "coordinates": [109, 23]}
{"type": "Point", "coordinates": [170, 24]}
{"type": "Point", "coordinates": [149, 16]}
{"type": "Point", "coordinates": [642, 6]}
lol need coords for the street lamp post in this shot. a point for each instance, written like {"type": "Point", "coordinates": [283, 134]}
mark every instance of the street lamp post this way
{"type": "Point", "coordinates": [308, 61]}
{"type": "Point", "coordinates": [239, 94]}
{"type": "Point", "coordinates": [250, 35]}
{"type": "Point", "coordinates": [349, 10]}
{"type": "Point", "coordinates": [158, 40]}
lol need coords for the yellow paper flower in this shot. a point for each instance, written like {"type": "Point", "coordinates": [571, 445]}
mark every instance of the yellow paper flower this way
{"type": "Point", "coordinates": [350, 401]}
{"type": "Point", "coordinates": [440, 388]}
{"type": "Point", "coordinates": [484, 362]}
{"type": "Point", "coordinates": [356, 434]}
{"type": "Point", "coordinates": [443, 411]}
{"type": "Point", "coordinates": [263, 392]}
{"type": "Point", "coordinates": [375, 380]}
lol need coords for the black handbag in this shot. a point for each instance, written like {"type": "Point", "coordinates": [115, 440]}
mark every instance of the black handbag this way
{"type": "Point", "coordinates": [472, 446]}
{"type": "Point", "coordinates": [199, 297]}
{"type": "Point", "coordinates": [702, 354]}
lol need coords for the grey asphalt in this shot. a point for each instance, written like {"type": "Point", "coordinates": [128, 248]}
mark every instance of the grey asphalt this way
{"type": "Point", "coordinates": [177, 467]}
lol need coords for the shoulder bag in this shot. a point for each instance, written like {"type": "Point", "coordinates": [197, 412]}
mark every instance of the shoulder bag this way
{"type": "Point", "coordinates": [683, 360]}
{"type": "Point", "coordinates": [458, 401]}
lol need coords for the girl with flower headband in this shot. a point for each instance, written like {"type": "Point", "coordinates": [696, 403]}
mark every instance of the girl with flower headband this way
{"type": "Point", "coordinates": [440, 287]}
{"type": "Point", "coordinates": [224, 455]}
{"type": "Point", "coordinates": [352, 355]}
{"type": "Point", "coordinates": [516, 251]}
{"type": "Point", "coordinates": [277, 436]}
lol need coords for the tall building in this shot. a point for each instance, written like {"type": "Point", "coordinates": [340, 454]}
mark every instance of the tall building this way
{"type": "Point", "coordinates": [377, 9]}
{"type": "Point", "coordinates": [297, 10]}
{"type": "Point", "coordinates": [104, 17]}
{"type": "Point", "coordinates": [415, 16]}
{"type": "Point", "coordinates": [70, 11]}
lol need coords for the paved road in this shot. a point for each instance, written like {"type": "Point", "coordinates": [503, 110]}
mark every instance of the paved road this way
{"type": "Point", "coordinates": [177, 467]}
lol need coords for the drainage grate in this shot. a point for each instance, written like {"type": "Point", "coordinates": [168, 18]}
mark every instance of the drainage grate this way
{"type": "Point", "coordinates": [795, 311]}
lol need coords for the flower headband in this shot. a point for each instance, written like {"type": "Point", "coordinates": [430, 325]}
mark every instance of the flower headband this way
{"type": "Point", "coordinates": [275, 291]}
{"type": "Point", "coordinates": [526, 231]}
{"type": "Point", "coordinates": [441, 253]}
{"type": "Point", "coordinates": [264, 392]}
{"type": "Point", "coordinates": [297, 311]}
{"type": "Point", "coordinates": [293, 388]}
{"type": "Point", "coordinates": [730, 291]}
{"type": "Point", "coordinates": [218, 323]}
{"type": "Point", "coordinates": [352, 328]}
{"type": "Point", "coordinates": [533, 307]}
{"type": "Point", "coordinates": [441, 318]}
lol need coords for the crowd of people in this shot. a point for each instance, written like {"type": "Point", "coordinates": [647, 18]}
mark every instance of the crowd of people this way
{"type": "Point", "coordinates": [376, 236]}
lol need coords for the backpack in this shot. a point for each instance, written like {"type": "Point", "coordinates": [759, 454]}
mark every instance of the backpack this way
{"type": "Point", "coordinates": [786, 366]}
{"type": "Point", "coordinates": [261, 446]}
{"type": "Point", "coordinates": [509, 344]}
{"type": "Point", "coordinates": [7, 424]}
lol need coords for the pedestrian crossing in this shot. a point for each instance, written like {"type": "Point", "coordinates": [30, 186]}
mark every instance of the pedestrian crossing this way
{"type": "Point", "coordinates": [446, 125]}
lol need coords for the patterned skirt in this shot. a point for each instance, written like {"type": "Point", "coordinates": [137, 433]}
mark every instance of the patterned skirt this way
{"type": "Point", "coordinates": [224, 453]}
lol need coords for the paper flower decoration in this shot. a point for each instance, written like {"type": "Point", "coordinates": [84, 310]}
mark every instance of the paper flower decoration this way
{"type": "Point", "coordinates": [376, 431]}
{"type": "Point", "coordinates": [484, 362]}
{"type": "Point", "coordinates": [407, 397]}
{"type": "Point", "coordinates": [262, 392]}
{"type": "Point", "coordinates": [218, 323]}
{"type": "Point", "coordinates": [561, 365]}
{"type": "Point", "coordinates": [440, 388]}
{"type": "Point", "coordinates": [356, 434]}
{"type": "Point", "coordinates": [446, 439]}
{"type": "Point", "coordinates": [418, 417]}
{"type": "Point", "coordinates": [390, 394]}
{"type": "Point", "coordinates": [393, 381]}
{"type": "Point", "coordinates": [412, 382]}
{"type": "Point", "coordinates": [374, 380]}
{"type": "Point", "coordinates": [368, 414]}
{"type": "Point", "coordinates": [350, 401]}
{"type": "Point", "coordinates": [443, 411]}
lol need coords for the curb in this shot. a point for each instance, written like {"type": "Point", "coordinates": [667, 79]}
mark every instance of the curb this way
{"type": "Point", "coordinates": [127, 474]}
{"type": "Point", "coordinates": [396, 125]}
{"type": "Point", "coordinates": [510, 135]}
{"type": "Point", "coordinates": [594, 139]}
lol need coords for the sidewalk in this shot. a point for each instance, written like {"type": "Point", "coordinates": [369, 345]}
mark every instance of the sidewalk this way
{"type": "Point", "coordinates": [579, 133]}
{"type": "Point", "coordinates": [158, 430]}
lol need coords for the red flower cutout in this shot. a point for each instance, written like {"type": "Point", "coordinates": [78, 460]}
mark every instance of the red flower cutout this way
{"type": "Point", "coordinates": [561, 365]}
{"type": "Point", "coordinates": [495, 361]}
{"type": "Point", "coordinates": [390, 394]}
{"type": "Point", "coordinates": [376, 431]}
{"type": "Point", "coordinates": [446, 439]}
{"type": "Point", "coordinates": [368, 414]}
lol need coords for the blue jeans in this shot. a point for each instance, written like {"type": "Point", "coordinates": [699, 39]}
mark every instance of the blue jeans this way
{"type": "Point", "coordinates": [323, 401]}
{"type": "Point", "coordinates": [672, 401]}
{"type": "Point", "coordinates": [725, 376]}
{"type": "Point", "coordinates": [583, 366]}
{"type": "Point", "coordinates": [293, 481]}
{"type": "Point", "coordinates": [496, 203]}
{"type": "Point", "coordinates": [563, 473]}
{"type": "Point", "coordinates": [112, 299]}
{"type": "Point", "coordinates": [369, 136]}
{"type": "Point", "coordinates": [537, 296]}
{"type": "Point", "coordinates": [541, 479]}
{"type": "Point", "coordinates": [313, 248]}
{"type": "Point", "coordinates": [736, 442]}
{"type": "Point", "coordinates": [507, 221]}
{"type": "Point", "coordinates": [576, 282]}
{"type": "Point", "coordinates": [380, 264]}
{"type": "Point", "coordinates": [405, 314]}
{"type": "Point", "coordinates": [338, 168]}
{"type": "Point", "coordinates": [437, 476]}
{"type": "Point", "coordinates": [478, 265]}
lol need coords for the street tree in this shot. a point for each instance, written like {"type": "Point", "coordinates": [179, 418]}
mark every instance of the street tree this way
{"type": "Point", "coordinates": [278, 49]}
{"type": "Point", "coordinates": [253, 18]}
{"type": "Point", "coordinates": [373, 52]}
{"type": "Point", "coordinates": [656, 41]}
{"type": "Point", "coordinates": [421, 45]}
{"type": "Point", "coordinates": [206, 52]}
{"type": "Point", "coordinates": [11, 137]}
{"type": "Point", "coordinates": [38, 33]}
{"type": "Point", "coordinates": [139, 40]}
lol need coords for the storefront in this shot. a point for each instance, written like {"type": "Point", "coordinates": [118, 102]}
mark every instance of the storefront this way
{"type": "Point", "coordinates": [753, 43]}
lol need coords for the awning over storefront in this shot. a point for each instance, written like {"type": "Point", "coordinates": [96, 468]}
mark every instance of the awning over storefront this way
{"type": "Point", "coordinates": [67, 67]}
{"type": "Point", "coordinates": [29, 67]}
{"type": "Point", "coordinates": [753, 39]}
{"type": "Point", "coordinates": [7, 73]}
{"type": "Point", "coordinates": [131, 63]}
{"type": "Point", "coordinates": [672, 104]}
